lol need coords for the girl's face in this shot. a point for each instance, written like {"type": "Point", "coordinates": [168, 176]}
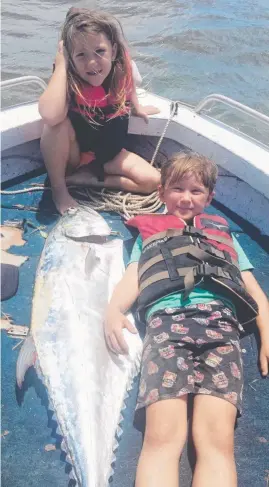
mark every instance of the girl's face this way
{"type": "Point", "coordinates": [186, 198]}
{"type": "Point", "coordinates": [92, 56]}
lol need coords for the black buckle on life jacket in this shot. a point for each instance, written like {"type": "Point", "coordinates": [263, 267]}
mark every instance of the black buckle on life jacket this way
{"type": "Point", "coordinates": [206, 270]}
{"type": "Point", "coordinates": [170, 264]}
{"type": "Point", "coordinates": [227, 256]}
{"type": "Point", "coordinates": [211, 250]}
{"type": "Point", "coordinates": [195, 232]}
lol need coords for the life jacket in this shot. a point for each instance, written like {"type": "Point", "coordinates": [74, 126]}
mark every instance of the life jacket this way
{"type": "Point", "coordinates": [97, 106]}
{"type": "Point", "coordinates": [176, 257]}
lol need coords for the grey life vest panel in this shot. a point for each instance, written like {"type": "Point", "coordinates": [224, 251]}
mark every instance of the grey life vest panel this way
{"type": "Point", "coordinates": [179, 259]}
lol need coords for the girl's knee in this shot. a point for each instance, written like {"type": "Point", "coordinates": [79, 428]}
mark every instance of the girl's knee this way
{"type": "Point", "coordinates": [64, 129]}
{"type": "Point", "coordinates": [151, 181]}
{"type": "Point", "coordinates": [154, 182]}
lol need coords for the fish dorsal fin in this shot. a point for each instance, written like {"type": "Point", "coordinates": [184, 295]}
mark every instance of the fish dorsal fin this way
{"type": "Point", "coordinates": [26, 358]}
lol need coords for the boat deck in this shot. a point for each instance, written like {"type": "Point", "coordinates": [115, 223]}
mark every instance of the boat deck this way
{"type": "Point", "coordinates": [28, 423]}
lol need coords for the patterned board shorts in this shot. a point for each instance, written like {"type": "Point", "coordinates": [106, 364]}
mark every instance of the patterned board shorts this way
{"type": "Point", "coordinates": [195, 350]}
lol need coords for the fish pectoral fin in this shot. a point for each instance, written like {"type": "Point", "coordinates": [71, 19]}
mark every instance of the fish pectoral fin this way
{"type": "Point", "coordinates": [26, 359]}
{"type": "Point", "coordinates": [91, 261]}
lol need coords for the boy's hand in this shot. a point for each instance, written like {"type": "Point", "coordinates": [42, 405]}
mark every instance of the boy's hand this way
{"type": "Point", "coordinates": [115, 321]}
{"type": "Point", "coordinates": [264, 357]}
{"type": "Point", "coordinates": [262, 320]}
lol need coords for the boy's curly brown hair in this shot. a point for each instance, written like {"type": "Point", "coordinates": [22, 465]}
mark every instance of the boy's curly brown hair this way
{"type": "Point", "coordinates": [185, 164]}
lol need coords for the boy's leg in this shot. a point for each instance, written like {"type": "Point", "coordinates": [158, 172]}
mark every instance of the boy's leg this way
{"type": "Point", "coordinates": [130, 172]}
{"type": "Point", "coordinates": [165, 436]}
{"type": "Point", "coordinates": [213, 436]}
{"type": "Point", "coordinates": [60, 152]}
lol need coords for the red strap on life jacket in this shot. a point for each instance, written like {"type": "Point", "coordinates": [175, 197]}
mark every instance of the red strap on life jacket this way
{"type": "Point", "coordinates": [151, 224]}
{"type": "Point", "coordinates": [96, 97]}
{"type": "Point", "coordinates": [93, 96]}
{"type": "Point", "coordinates": [220, 228]}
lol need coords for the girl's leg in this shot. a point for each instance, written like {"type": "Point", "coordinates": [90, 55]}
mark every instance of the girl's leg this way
{"type": "Point", "coordinates": [61, 153]}
{"type": "Point", "coordinates": [130, 172]}
{"type": "Point", "coordinates": [165, 436]}
{"type": "Point", "coordinates": [127, 171]}
{"type": "Point", "coordinates": [213, 435]}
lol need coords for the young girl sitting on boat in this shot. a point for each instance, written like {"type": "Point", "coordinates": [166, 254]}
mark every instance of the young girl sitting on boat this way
{"type": "Point", "coordinates": [86, 109]}
{"type": "Point", "coordinates": [195, 289]}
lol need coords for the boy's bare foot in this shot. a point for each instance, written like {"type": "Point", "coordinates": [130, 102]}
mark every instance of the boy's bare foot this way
{"type": "Point", "coordinates": [63, 200]}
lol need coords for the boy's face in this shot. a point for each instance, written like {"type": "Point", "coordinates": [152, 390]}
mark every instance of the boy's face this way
{"type": "Point", "coordinates": [186, 198]}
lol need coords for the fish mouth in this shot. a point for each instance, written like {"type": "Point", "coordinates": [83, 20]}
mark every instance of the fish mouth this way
{"type": "Point", "coordinates": [85, 225]}
{"type": "Point", "coordinates": [93, 239]}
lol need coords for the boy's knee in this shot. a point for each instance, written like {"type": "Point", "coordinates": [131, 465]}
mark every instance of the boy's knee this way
{"type": "Point", "coordinates": [213, 425]}
{"type": "Point", "coordinates": [165, 438]}
{"type": "Point", "coordinates": [209, 438]}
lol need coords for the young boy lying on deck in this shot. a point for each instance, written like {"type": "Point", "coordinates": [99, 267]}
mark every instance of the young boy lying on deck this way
{"type": "Point", "coordinates": [195, 289]}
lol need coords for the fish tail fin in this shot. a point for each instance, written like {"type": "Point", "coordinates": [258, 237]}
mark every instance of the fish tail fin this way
{"type": "Point", "coordinates": [26, 359]}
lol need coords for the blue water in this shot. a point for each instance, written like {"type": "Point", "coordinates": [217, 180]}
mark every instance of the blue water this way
{"type": "Point", "coordinates": [185, 49]}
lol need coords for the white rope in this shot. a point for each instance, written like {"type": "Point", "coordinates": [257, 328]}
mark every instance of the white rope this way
{"type": "Point", "coordinates": [39, 187]}
{"type": "Point", "coordinates": [174, 108]}
{"type": "Point", "coordinates": [126, 204]}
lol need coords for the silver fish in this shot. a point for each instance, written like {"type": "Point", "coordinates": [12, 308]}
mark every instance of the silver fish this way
{"type": "Point", "coordinates": [86, 384]}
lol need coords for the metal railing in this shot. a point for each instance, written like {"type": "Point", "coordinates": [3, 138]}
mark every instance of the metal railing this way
{"type": "Point", "coordinates": [203, 104]}
{"type": "Point", "coordinates": [23, 80]}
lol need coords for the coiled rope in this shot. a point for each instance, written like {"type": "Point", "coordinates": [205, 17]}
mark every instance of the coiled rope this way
{"type": "Point", "coordinates": [126, 204]}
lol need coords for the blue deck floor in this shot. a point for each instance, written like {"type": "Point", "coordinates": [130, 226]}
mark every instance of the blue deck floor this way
{"type": "Point", "coordinates": [25, 462]}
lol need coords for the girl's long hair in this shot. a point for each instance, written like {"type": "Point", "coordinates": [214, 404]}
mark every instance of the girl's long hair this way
{"type": "Point", "coordinates": [96, 22]}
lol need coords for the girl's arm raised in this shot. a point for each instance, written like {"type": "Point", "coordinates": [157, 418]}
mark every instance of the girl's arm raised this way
{"type": "Point", "coordinates": [53, 105]}
{"type": "Point", "coordinates": [123, 297]}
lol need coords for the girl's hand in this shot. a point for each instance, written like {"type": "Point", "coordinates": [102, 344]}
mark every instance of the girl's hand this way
{"type": "Point", "coordinates": [144, 112]}
{"type": "Point", "coordinates": [264, 357]}
{"type": "Point", "coordinates": [139, 112]}
{"type": "Point", "coordinates": [61, 57]}
{"type": "Point", "coordinates": [115, 321]}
